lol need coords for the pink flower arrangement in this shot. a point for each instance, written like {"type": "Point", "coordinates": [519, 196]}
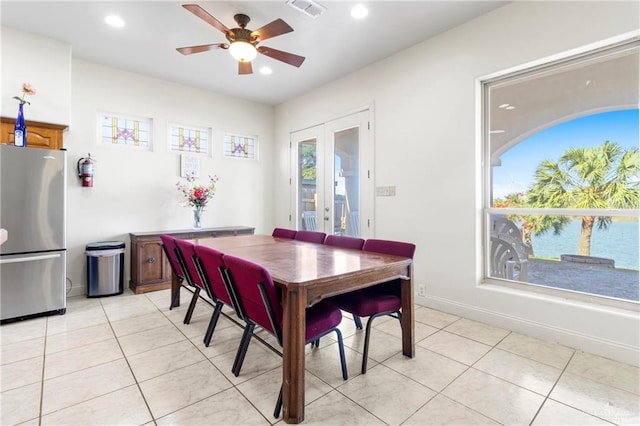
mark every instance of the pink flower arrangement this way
{"type": "Point", "coordinates": [197, 195]}
{"type": "Point", "coordinates": [27, 89]}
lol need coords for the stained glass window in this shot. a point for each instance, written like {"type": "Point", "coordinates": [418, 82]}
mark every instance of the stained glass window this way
{"type": "Point", "coordinates": [127, 131]}
{"type": "Point", "coordinates": [192, 140]}
{"type": "Point", "coordinates": [238, 146]}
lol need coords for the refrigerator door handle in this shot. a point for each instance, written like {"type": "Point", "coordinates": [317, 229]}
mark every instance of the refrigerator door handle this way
{"type": "Point", "coordinates": [29, 258]}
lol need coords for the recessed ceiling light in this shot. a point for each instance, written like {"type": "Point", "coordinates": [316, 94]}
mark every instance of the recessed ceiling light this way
{"type": "Point", "coordinates": [496, 131]}
{"type": "Point", "coordinates": [510, 107]}
{"type": "Point", "coordinates": [114, 21]}
{"type": "Point", "coordinates": [265, 70]}
{"type": "Point", "coordinates": [359, 11]}
{"type": "Point", "coordinates": [503, 106]}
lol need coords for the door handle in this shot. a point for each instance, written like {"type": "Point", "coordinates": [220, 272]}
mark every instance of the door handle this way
{"type": "Point", "coordinates": [28, 258]}
{"type": "Point", "coordinates": [326, 218]}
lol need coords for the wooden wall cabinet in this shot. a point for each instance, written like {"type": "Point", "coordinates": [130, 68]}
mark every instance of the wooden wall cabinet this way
{"type": "Point", "coordinates": [39, 135]}
{"type": "Point", "coordinates": [150, 269]}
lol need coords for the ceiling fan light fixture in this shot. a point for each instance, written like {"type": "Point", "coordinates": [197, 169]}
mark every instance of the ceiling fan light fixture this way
{"type": "Point", "coordinates": [243, 51]}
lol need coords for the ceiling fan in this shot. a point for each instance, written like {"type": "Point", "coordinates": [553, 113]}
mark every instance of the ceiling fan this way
{"type": "Point", "coordinates": [243, 43]}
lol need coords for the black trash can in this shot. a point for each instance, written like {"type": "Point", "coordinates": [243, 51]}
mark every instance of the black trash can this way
{"type": "Point", "coordinates": [105, 263]}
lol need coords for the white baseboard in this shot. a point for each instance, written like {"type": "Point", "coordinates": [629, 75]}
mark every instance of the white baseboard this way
{"type": "Point", "coordinates": [617, 351]}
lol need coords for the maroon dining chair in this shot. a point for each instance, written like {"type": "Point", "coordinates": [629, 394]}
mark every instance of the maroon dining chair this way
{"type": "Point", "coordinates": [169, 247]}
{"type": "Point", "coordinates": [284, 233]}
{"type": "Point", "coordinates": [378, 300]}
{"type": "Point", "coordinates": [310, 236]}
{"type": "Point", "coordinates": [208, 262]}
{"type": "Point", "coordinates": [344, 241]}
{"type": "Point", "coordinates": [185, 252]}
{"type": "Point", "coordinates": [254, 289]}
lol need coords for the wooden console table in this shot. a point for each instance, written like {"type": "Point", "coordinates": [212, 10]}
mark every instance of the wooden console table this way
{"type": "Point", "coordinates": [150, 269]}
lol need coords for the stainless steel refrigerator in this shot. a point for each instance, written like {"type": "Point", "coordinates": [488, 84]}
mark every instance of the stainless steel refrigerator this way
{"type": "Point", "coordinates": [33, 211]}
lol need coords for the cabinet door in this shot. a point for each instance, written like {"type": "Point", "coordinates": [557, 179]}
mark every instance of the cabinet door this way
{"type": "Point", "coordinates": [47, 136]}
{"type": "Point", "coordinates": [152, 263]}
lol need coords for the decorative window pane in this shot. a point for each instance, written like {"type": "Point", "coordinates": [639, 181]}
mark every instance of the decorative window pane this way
{"type": "Point", "coordinates": [240, 146]}
{"type": "Point", "coordinates": [128, 131]}
{"type": "Point", "coordinates": [188, 139]}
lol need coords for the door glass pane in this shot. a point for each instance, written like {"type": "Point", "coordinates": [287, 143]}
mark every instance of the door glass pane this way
{"type": "Point", "coordinates": [346, 184]}
{"type": "Point", "coordinates": [307, 185]}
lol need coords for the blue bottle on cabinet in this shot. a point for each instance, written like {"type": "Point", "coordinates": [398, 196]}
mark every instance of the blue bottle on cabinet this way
{"type": "Point", "coordinates": [20, 129]}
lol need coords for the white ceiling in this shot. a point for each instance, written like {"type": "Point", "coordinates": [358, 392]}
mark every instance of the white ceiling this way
{"type": "Point", "coordinates": [334, 44]}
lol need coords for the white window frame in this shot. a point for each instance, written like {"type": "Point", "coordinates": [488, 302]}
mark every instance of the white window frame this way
{"type": "Point", "coordinates": [483, 132]}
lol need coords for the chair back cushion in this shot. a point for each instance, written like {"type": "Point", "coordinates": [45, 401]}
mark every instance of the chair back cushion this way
{"type": "Point", "coordinates": [211, 265]}
{"type": "Point", "coordinates": [344, 241]}
{"type": "Point", "coordinates": [246, 277]}
{"type": "Point", "coordinates": [284, 233]}
{"type": "Point", "coordinates": [186, 250]}
{"type": "Point", "coordinates": [396, 248]}
{"type": "Point", "coordinates": [169, 246]}
{"type": "Point", "coordinates": [310, 236]}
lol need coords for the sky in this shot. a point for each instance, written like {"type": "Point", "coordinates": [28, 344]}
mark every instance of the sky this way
{"type": "Point", "coordinates": [520, 162]}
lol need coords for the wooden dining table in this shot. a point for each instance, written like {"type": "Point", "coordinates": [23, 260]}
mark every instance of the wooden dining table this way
{"type": "Point", "coordinates": [307, 273]}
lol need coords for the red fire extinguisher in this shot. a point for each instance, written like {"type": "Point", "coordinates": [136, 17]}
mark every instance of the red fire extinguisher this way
{"type": "Point", "coordinates": [85, 170]}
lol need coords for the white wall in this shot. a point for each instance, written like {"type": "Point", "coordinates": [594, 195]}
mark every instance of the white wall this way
{"type": "Point", "coordinates": [134, 191]}
{"type": "Point", "coordinates": [27, 58]}
{"type": "Point", "coordinates": [425, 144]}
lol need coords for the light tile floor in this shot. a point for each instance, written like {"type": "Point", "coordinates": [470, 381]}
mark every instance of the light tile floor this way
{"type": "Point", "coordinates": [130, 360]}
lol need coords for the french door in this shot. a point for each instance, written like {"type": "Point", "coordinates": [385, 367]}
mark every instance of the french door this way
{"type": "Point", "coordinates": [332, 180]}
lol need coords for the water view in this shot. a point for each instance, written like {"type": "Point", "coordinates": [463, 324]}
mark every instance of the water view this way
{"type": "Point", "coordinates": [620, 242]}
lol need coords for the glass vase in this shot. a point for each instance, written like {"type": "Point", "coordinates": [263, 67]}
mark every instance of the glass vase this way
{"type": "Point", "coordinates": [197, 217]}
{"type": "Point", "coordinates": [20, 129]}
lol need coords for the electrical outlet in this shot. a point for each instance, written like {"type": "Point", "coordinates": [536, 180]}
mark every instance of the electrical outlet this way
{"type": "Point", "coordinates": [422, 290]}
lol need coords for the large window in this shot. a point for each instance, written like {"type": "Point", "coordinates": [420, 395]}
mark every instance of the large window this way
{"type": "Point", "coordinates": [562, 192]}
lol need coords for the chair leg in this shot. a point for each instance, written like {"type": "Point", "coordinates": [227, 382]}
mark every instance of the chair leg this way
{"type": "Point", "coordinates": [242, 349]}
{"type": "Point", "coordinates": [343, 361]}
{"type": "Point", "coordinates": [365, 354]}
{"type": "Point", "coordinates": [367, 335]}
{"type": "Point", "coordinates": [276, 412]}
{"type": "Point", "coordinates": [192, 305]}
{"type": "Point", "coordinates": [358, 321]}
{"type": "Point", "coordinates": [212, 323]}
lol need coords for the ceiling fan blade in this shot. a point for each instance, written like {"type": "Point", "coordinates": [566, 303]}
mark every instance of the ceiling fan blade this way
{"type": "Point", "coordinates": [272, 29]}
{"type": "Point", "coordinates": [286, 57]}
{"type": "Point", "coordinates": [205, 16]}
{"type": "Point", "coordinates": [188, 50]}
{"type": "Point", "coordinates": [245, 68]}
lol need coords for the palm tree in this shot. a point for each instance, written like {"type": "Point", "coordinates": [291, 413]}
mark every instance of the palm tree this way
{"type": "Point", "coordinates": [601, 177]}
